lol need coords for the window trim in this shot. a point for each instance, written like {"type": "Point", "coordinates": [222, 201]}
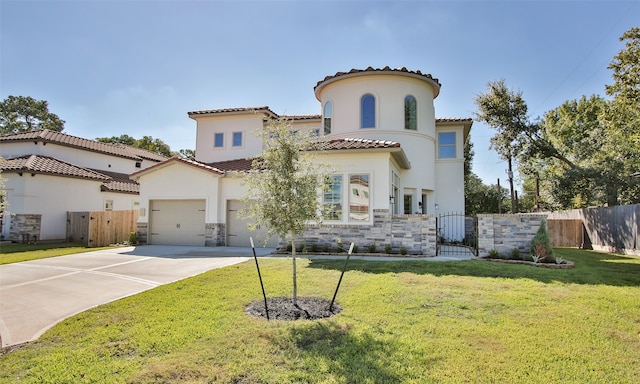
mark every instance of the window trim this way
{"type": "Point", "coordinates": [215, 140]}
{"type": "Point", "coordinates": [367, 112]}
{"type": "Point", "coordinates": [442, 146]}
{"type": "Point", "coordinates": [327, 117]}
{"type": "Point", "coordinates": [233, 139]}
{"type": "Point", "coordinates": [407, 113]}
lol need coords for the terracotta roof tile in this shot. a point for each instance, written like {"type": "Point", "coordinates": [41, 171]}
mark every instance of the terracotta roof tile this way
{"type": "Point", "coordinates": [120, 182]}
{"type": "Point", "coordinates": [454, 120]}
{"type": "Point", "coordinates": [352, 143]}
{"type": "Point", "coordinates": [48, 165]}
{"type": "Point", "coordinates": [233, 165]}
{"type": "Point", "coordinates": [179, 159]}
{"type": "Point", "coordinates": [264, 109]}
{"type": "Point", "coordinates": [387, 69]}
{"type": "Point", "coordinates": [48, 136]}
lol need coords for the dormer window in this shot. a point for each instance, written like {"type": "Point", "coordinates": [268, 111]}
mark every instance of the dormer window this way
{"type": "Point", "coordinates": [368, 111]}
{"type": "Point", "coordinates": [410, 113]}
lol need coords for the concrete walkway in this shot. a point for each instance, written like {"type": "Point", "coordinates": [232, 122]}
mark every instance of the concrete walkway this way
{"type": "Point", "coordinates": [36, 295]}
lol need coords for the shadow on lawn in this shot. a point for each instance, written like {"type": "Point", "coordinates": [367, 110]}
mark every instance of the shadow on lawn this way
{"type": "Point", "coordinates": [333, 348]}
{"type": "Point", "coordinates": [590, 268]}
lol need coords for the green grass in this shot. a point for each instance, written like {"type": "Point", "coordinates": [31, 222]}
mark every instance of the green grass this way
{"type": "Point", "coordinates": [402, 322]}
{"type": "Point", "coordinates": [13, 253]}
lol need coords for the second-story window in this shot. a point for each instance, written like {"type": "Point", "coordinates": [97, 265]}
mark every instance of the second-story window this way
{"type": "Point", "coordinates": [447, 145]}
{"type": "Point", "coordinates": [218, 140]}
{"type": "Point", "coordinates": [368, 111]}
{"type": "Point", "coordinates": [328, 111]}
{"type": "Point", "coordinates": [237, 139]}
{"type": "Point", "coordinates": [410, 113]}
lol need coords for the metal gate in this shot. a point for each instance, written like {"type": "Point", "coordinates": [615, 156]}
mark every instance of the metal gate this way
{"type": "Point", "coordinates": [457, 234]}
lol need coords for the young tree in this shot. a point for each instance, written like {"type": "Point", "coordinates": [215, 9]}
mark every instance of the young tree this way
{"type": "Point", "coordinates": [24, 114]}
{"type": "Point", "coordinates": [284, 185]}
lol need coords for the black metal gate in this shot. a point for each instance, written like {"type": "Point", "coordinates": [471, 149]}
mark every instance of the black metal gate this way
{"type": "Point", "coordinates": [457, 234]}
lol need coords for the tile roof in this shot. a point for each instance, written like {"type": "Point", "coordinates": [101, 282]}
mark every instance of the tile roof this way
{"type": "Point", "coordinates": [120, 182]}
{"type": "Point", "coordinates": [233, 165]}
{"type": "Point", "coordinates": [454, 120]}
{"type": "Point", "coordinates": [35, 164]}
{"type": "Point", "coordinates": [353, 143]}
{"type": "Point", "coordinates": [387, 69]}
{"type": "Point", "coordinates": [49, 136]}
{"type": "Point", "coordinates": [233, 111]}
{"type": "Point", "coordinates": [178, 159]}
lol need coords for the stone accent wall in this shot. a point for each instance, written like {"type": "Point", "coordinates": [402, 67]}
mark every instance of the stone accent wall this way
{"type": "Point", "coordinates": [416, 233]}
{"type": "Point", "coordinates": [503, 233]}
{"type": "Point", "coordinates": [25, 228]}
{"type": "Point", "coordinates": [214, 235]}
{"type": "Point", "coordinates": [143, 233]}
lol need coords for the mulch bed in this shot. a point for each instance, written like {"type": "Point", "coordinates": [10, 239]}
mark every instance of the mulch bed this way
{"type": "Point", "coordinates": [282, 308]}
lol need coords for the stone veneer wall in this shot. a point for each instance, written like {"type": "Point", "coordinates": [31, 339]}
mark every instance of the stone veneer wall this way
{"type": "Point", "coordinates": [214, 235]}
{"type": "Point", "coordinates": [503, 233]}
{"type": "Point", "coordinates": [417, 233]}
{"type": "Point", "coordinates": [25, 228]}
{"type": "Point", "coordinates": [143, 232]}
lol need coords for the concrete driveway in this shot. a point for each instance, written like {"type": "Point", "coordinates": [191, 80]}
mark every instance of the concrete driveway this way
{"type": "Point", "coordinates": [36, 295]}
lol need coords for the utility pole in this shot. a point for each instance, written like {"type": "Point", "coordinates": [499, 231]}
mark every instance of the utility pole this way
{"type": "Point", "coordinates": [513, 197]}
{"type": "Point", "coordinates": [499, 198]}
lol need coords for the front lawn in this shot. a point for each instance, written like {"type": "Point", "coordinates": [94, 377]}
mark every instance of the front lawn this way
{"type": "Point", "coordinates": [13, 253]}
{"type": "Point", "coordinates": [401, 322]}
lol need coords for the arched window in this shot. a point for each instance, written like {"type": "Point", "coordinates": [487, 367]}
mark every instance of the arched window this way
{"type": "Point", "coordinates": [368, 111]}
{"type": "Point", "coordinates": [410, 113]}
{"type": "Point", "coordinates": [328, 112]}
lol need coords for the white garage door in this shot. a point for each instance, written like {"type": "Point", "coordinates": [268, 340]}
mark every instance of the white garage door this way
{"type": "Point", "coordinates": [177, 222]}
{"type": "Point", "coordinates": [238, 232]}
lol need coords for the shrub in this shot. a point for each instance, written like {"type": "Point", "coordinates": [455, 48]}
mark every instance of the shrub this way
{"type": "Point", "coordinates": [493, 253]}
{"type": "Point", "coordinates": [541, 246]}
{"type": "Point", "coordinates": [314, 247]}
{"type": "Point", "coordinates": [355, 248]}
{"type": "Point", "coordinates": [515, 254]}
{"type": "Point", "coordinates": [388, 248]}
{"type": "Point", "coordinates": [339, 247]}
{"type": "Point", "coordinates": [403, 250]}
{"type": "Point", "coordinates": [372, 248]}
{"type": "Point", "coordinates": [133, 238]}
{"type": "Point", "coordinates": [325, 247]}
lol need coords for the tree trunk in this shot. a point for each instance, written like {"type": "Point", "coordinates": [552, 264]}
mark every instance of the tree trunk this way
{"type": "Point", "coordinates": [295, 279]}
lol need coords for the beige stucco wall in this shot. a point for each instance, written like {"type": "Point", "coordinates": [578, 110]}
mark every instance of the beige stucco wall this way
{"type": "Point", "coordinates": [179, 181]}
{"type": "Point", "coordinates": [208, 126]}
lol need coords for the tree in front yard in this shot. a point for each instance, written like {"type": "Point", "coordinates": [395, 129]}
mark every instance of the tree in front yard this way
{"type": "Point", "coordinates": [284, 185]}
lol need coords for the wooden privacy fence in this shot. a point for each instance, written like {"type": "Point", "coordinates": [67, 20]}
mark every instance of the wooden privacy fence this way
{"type": "Point", "coordinates": [566, 233]}
{"type": "Point", "coordinates": [609, 229]}
{"type": "Point", "coordinates": [100, 228]}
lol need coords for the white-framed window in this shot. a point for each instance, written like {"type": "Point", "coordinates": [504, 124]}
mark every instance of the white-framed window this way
{"type": "Point", "coordinates": [328, 112]}
{"type": "Point", "coordinates": [218, 140]}
{"type": "Point", "coordinates": [447, 145]}
{"type": "Point", "coordinates": [410, 113]}
{"type": "Point", "coordinates": [333, 198]}
{"type": "Point", "coordinates": [368, 111]}
{"type": "Point", "coordinates": [237, 139]}
{"type": "Point", "coordinates": [359, 202]}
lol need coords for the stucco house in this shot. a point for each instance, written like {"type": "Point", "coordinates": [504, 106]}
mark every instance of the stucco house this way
{"type": "Point", "coordinates": [49, 173]}
{"type": "Point", "coordinates": [378, 128]}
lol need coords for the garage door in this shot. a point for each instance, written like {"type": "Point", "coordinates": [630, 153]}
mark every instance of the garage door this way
{"type": "Point", "coordinates": [238, 231]}
{"type": "Point", "coordinates": [177, 222]}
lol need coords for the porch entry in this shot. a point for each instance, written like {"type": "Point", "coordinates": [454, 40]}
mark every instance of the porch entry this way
{"type": "Point", "coordinates": [457, 234]}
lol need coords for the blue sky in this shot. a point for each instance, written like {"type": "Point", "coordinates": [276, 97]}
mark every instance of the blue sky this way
{"type": "Point", "coordinates": [137, 67]}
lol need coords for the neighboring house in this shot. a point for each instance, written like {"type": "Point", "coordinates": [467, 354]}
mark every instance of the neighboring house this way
{"type": "Point", "coordinates": [50, 173]}
{"type": "Point", "coordinates": [379, 131]}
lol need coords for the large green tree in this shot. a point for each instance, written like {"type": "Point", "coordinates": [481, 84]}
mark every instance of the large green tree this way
{"type": "Point", "coordinates": [146, 142]}
{"type": "Point", "coordinates": [23, 114]}
{"type": "Point", "coordinates": [284, 184]}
